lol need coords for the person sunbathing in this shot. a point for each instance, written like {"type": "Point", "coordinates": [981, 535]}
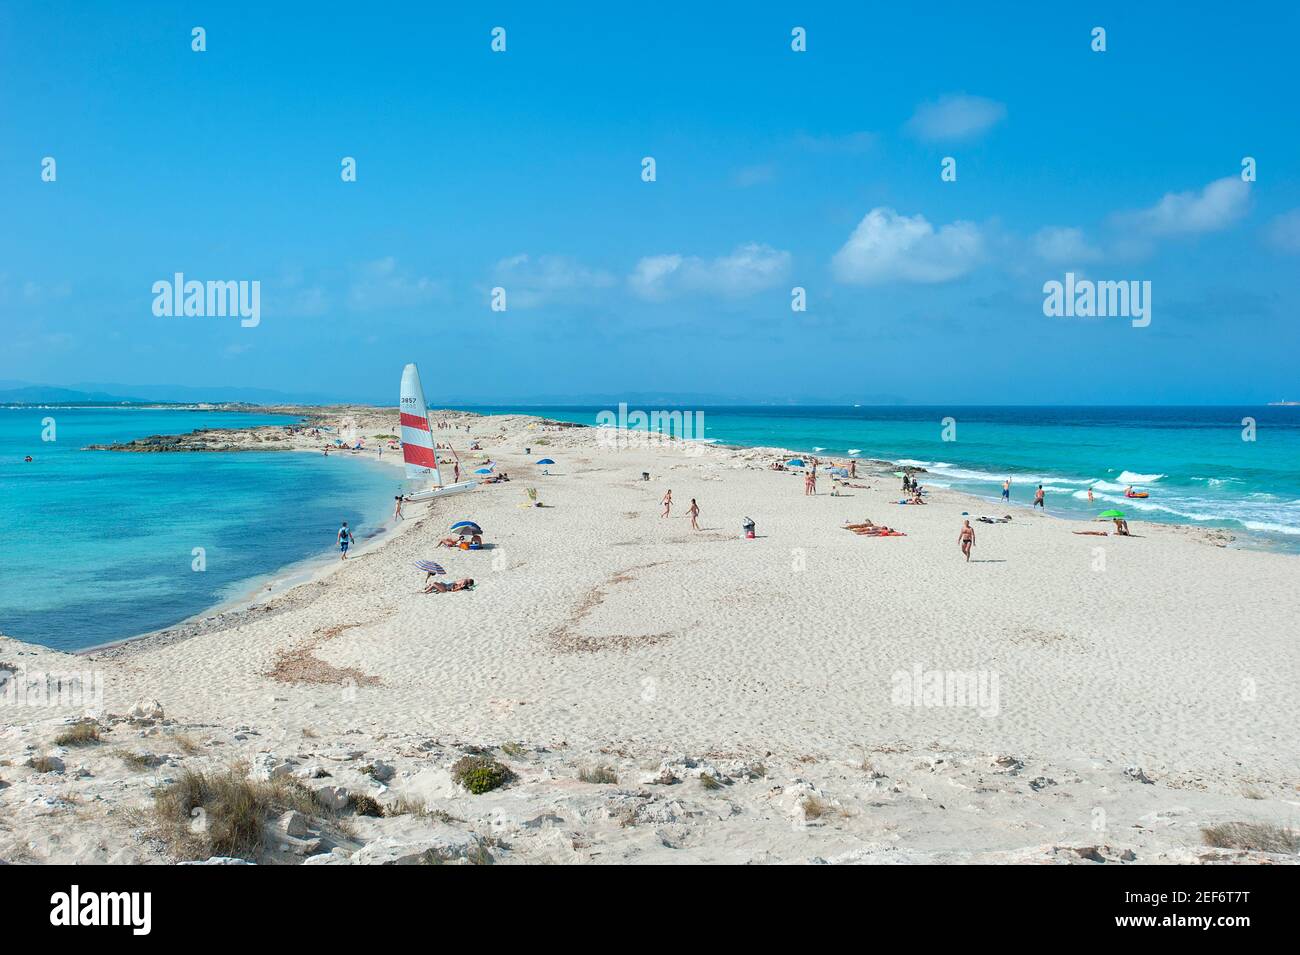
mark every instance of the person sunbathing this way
{"type": "Point", "coordinates": [870, 529]}
{"type": "Point", "coordinates": [450, 541]}
{"type": "Point", "coordinates": [440, 587]}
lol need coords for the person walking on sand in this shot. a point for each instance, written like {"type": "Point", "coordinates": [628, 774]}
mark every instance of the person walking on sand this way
{"type": "Point", "coordinates": [1006, 490]}
{"type": "Point", "coordinates": [694, 511]}
{"type": "Point", "coordinates": [966, 539]}
{"type": "Point", "coordinates": [1038, 498]}
{"type": "Point", "coordinates": [667, 502]}
{"type": "Point", "coordinates": [397, 508]}
{"type": "Point", "coordinates": [345, 541]}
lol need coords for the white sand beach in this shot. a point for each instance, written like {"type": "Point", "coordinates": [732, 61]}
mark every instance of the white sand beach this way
{"type": "Point", "coordinates": [1131, 691]}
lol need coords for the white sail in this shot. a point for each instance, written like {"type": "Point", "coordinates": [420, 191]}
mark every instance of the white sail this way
{"type": "Point", "coordinates": [418, 449]}
{"type": "Point", "coordinates": [417, 439]}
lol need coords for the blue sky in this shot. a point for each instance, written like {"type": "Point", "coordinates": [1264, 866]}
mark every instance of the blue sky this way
{"type": "Point", "coordinates": [775, 169]}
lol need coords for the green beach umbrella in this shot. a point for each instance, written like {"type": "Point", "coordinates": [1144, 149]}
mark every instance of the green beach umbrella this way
{"type": "Point", "coordinates": [1112, 513]}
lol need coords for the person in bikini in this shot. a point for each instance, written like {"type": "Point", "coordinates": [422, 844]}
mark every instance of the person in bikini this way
{"type": "Point", "coordinates": [694, 512]}
{"type": "Point", "coordinates": [437, 586]}
{"type": "Point", "coordinates": [667, 502]}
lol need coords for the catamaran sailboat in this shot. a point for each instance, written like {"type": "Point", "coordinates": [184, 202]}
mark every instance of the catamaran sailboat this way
{"type": "Point", "coordinates": [417, 441]}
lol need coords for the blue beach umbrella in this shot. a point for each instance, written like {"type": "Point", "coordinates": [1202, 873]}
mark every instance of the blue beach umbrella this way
{"type": "Point", "coordinates": [482, 470]}
{"type": "Point", "coordinates": [545, 461]}
{"type": "Point", "coordinates": [794, 463]}
{"type": "Point", "coordinates": [429, 567]}
{"type": "Point", "coordinates": [466, 527]}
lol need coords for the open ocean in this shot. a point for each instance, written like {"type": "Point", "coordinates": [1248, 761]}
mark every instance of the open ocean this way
{"type": "Point", "coordinates": [98, 546]}
{"type": "Point", "coordinates": [1193, 461]}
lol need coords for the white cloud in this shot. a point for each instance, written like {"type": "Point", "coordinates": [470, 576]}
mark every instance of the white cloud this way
{"type": "Point", "coordinates": [1284, 231]}
{"type": "Point", "coordinates": [530, 281]}
{"type": "Point", "coordinates": [955, 116]}
{"type": "Point", "coordinates": [750, 268]}
{"type": "Point", "coordinates": [1215, 207]}
{"type": "Point", "coordinates": [381, 284]}
{"type": "Point", "coordinates": [858, 142]}
{"type": "Point", "coordinates": [33, 293]}
{"type": "Point", "coordinates": [1063, 244]}
{"type": "Point", "coordinates": [887, 247]}
{"type": "Point", "coordinates": [754, 175]}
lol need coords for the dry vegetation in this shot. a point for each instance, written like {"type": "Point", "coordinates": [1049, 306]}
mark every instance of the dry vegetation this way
{"type": "Point", "coordinates": [79, 734]}
{"type": "Point", "coordinates": [603, 775]}
{"type": "Point", "coordinates": [1257, 836]}
{"type": "Point", "coordinates": [224, 813]}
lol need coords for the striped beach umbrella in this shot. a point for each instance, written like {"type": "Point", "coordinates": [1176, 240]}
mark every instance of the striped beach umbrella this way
{"type": "Point", "coordinates": [429, 567]}
{"type": "Point", "coordinates": [466, 528]}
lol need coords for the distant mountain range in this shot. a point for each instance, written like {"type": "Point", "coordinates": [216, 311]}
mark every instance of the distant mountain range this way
{"type": "Point", "coordinates": [13, 392]}
{"type": "Point", "coordinates": [45, 394]}
{"type": "Point", "coordinates": [21, 392]}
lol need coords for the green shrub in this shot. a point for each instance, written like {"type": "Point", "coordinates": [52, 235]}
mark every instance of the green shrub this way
{"type": "Point", "coordinates": [480, 774]}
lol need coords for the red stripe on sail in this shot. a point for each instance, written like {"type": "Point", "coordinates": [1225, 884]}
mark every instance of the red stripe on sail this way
{"type": "Point", "coordinates": [415, 421]}
{"type": "Point", "coordinates": [414, 454]}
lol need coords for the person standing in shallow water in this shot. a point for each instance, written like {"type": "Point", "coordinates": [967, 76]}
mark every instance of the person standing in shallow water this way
{"type": "Point", "coordinates": [345, 541]}
{"type": "Point", "coordinates": [667, 502]}
{"type": "Point", "coordinates": [1038, 498]}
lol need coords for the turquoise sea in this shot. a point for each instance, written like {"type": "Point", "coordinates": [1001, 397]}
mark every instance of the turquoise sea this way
{"type": "Point", "coordinates": [99, 546]}
{"type": "Point", "coordinates": [1194, 462]}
